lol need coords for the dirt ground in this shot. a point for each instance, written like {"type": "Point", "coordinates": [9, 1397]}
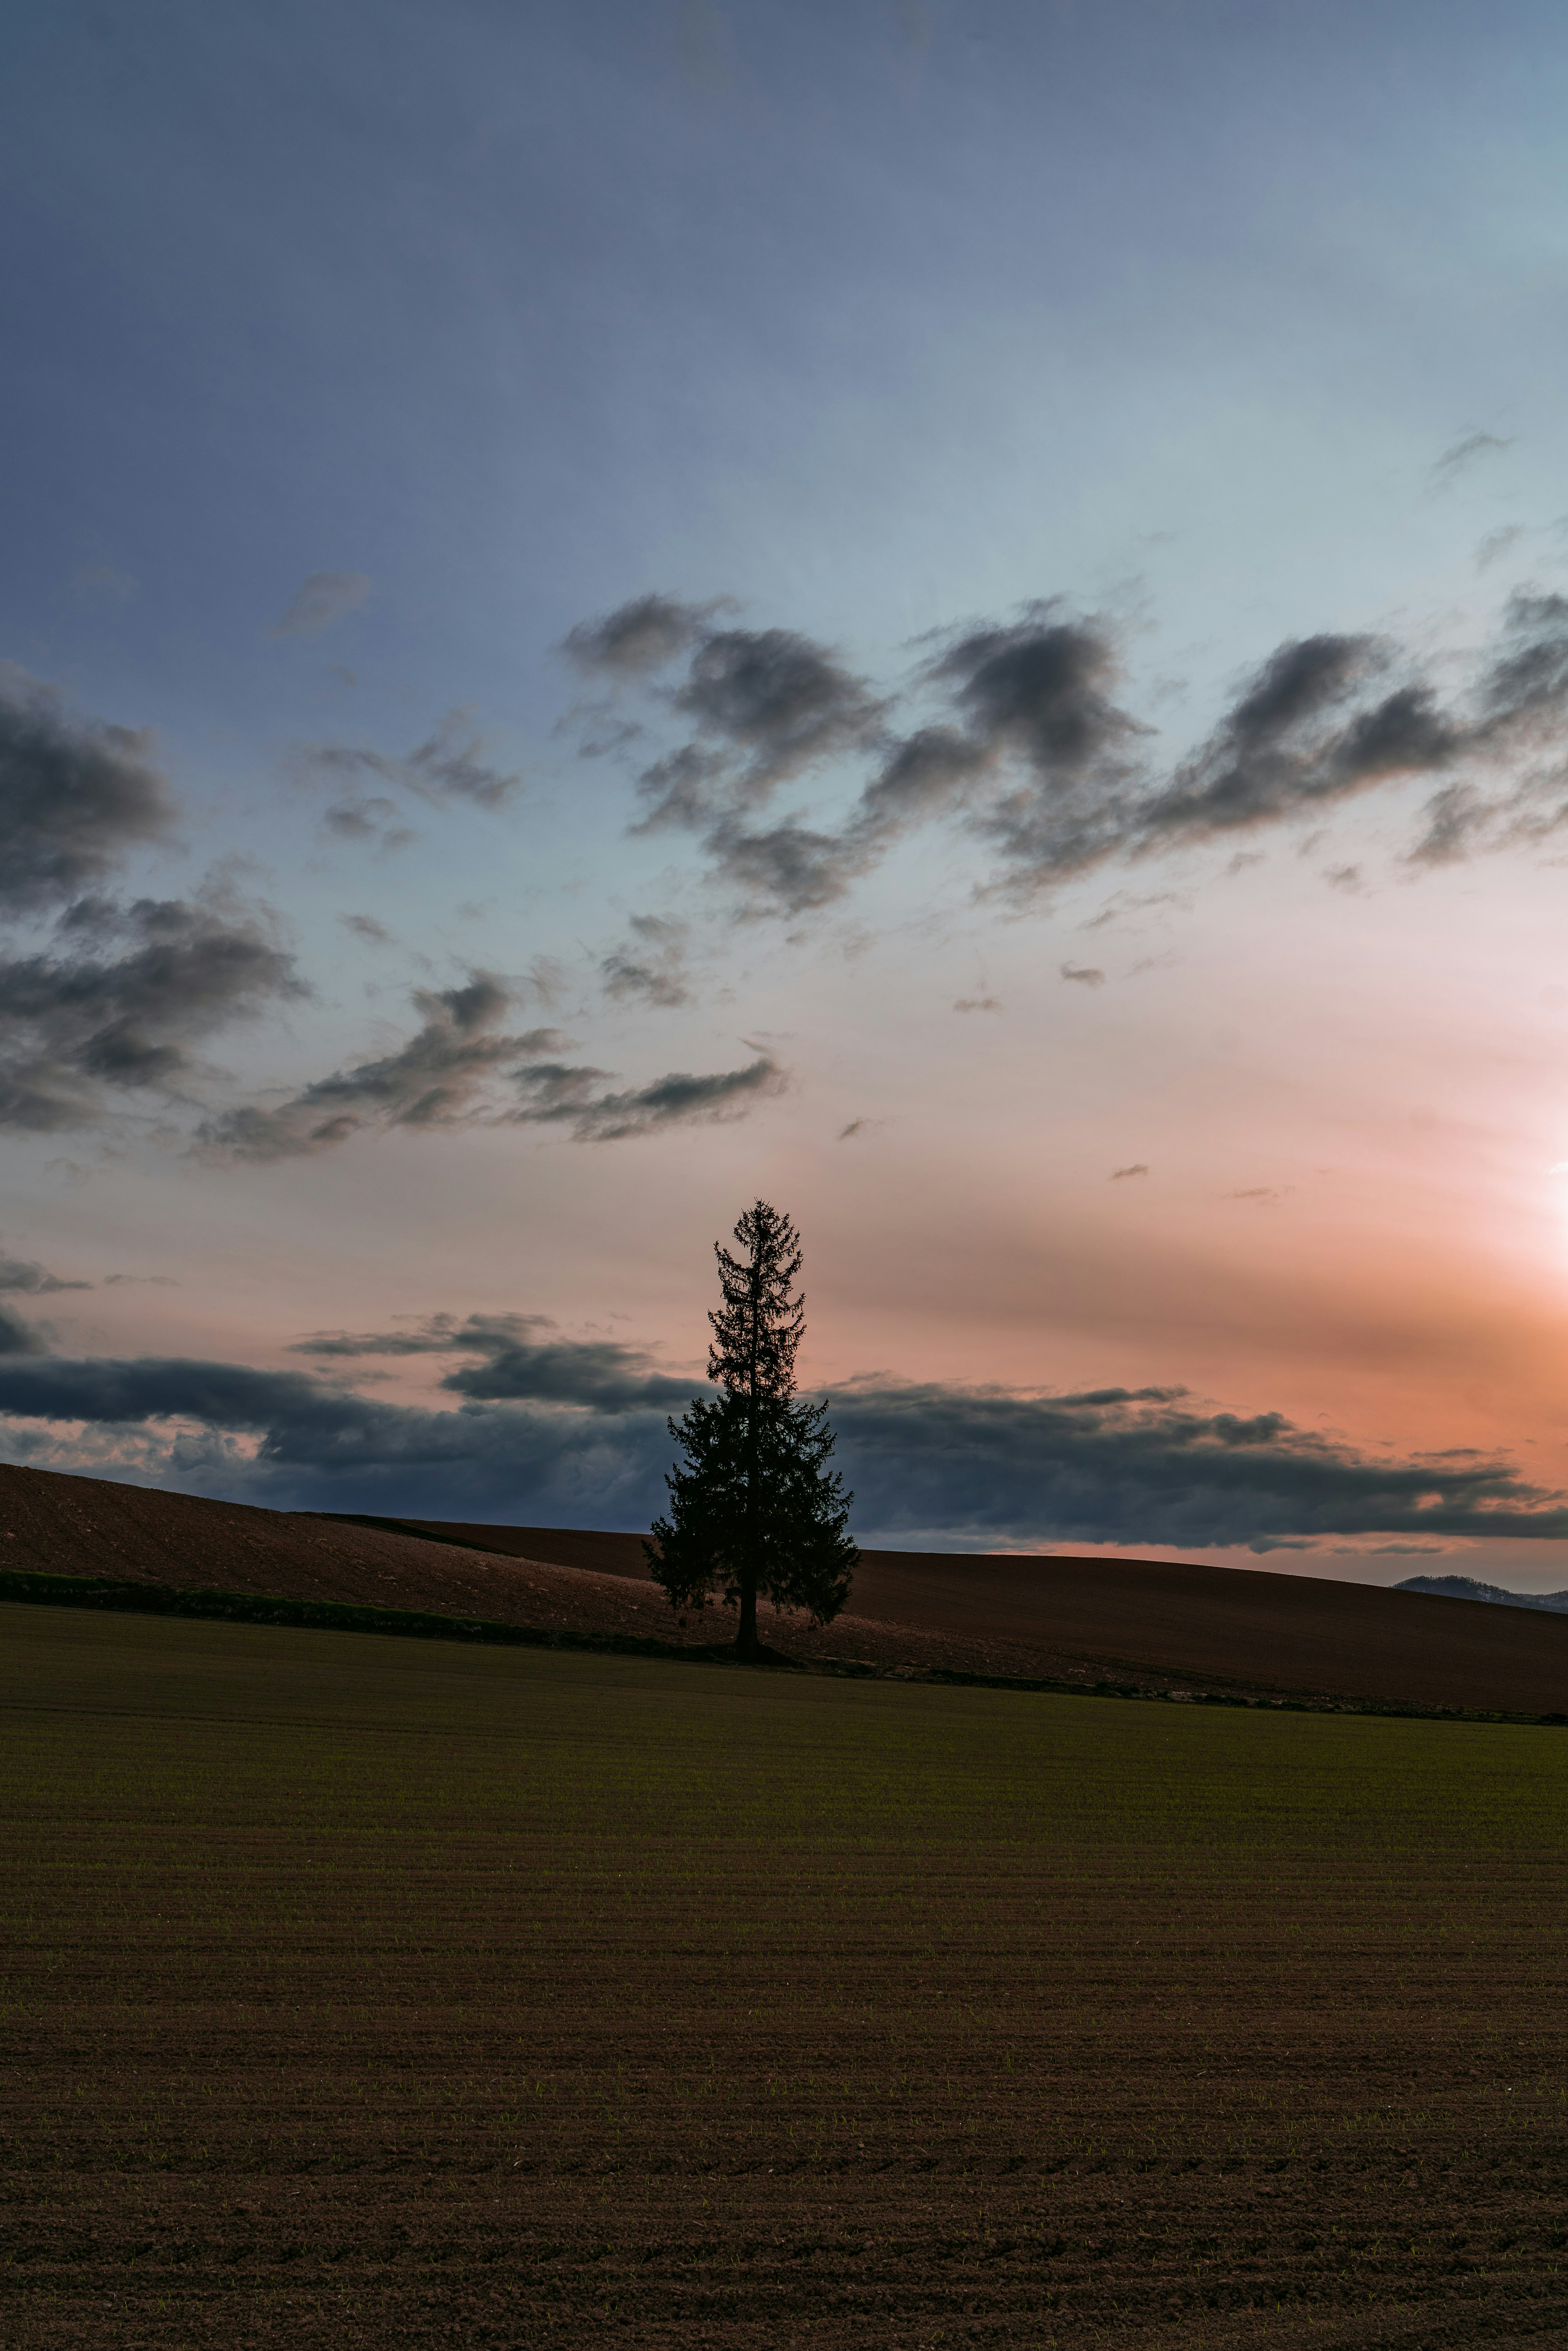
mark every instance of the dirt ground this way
{"type": "Point", "coordinates": [1152, 1625]}
{"type": "Point", "coordinates": [360, 1992]}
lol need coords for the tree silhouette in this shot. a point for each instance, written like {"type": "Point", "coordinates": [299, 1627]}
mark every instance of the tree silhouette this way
{"type": "Point", "coordinates": [756, 1508]}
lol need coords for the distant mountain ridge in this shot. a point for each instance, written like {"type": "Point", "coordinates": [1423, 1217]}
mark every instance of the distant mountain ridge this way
{"type": "Point", "coordinates": [1465, 1587]}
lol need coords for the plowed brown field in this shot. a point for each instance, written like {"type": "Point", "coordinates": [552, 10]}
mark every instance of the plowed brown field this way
{"type": "Point", "coordinates": [360, 1992]}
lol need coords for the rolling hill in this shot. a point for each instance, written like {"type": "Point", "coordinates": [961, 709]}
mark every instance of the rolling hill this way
{"type": "Point", "coordinates": [1156, 1625]}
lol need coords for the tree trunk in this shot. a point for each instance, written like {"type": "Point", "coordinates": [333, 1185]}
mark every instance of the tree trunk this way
{"type": "Point", "coordinates": [746, 1632]}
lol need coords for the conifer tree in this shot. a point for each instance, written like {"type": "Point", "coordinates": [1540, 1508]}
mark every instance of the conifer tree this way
{"type": "Point", "coordinates": [756, 1508]}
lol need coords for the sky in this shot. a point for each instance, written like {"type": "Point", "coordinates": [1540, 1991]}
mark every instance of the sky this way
{"type": "Point", "coordinates": [955, 616]}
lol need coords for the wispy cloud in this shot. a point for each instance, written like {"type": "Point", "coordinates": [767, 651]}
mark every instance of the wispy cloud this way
{"type": "Point", "coordinates": [1464, 453]}
{"type": "Point", "coordinates": [320, 599]}
{"type": "Point", "coordinates": [452, 764]}
{"type": "Point", "coordinates": [650, 966]}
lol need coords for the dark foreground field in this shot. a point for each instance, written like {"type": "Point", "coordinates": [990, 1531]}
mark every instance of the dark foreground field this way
{"type": "Point", "coordinates": [371, 1992]}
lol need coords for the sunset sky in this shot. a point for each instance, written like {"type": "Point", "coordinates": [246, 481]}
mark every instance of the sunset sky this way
{"type": "Point", "coordinates": [951, 613]}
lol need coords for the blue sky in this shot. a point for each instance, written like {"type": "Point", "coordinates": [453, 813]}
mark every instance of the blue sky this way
{"type": "Point", "coordinates": [358, 357]}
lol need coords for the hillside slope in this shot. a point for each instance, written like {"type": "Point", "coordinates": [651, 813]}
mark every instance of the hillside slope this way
{"type": "Point", "coordinates": [1227, 1626]}
{"type": "Point", "coordinates": [1156, 1623]}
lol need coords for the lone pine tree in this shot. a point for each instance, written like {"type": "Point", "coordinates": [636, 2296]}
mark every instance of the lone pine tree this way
{"type": "Point", "coordinates": [755, 1508]}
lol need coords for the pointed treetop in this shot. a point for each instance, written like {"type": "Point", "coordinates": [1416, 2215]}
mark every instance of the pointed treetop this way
{"type": "Point", "coordinates": [757, 1329]}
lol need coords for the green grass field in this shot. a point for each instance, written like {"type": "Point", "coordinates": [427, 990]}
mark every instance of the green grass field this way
{"type": "Point", "coordinates": [367, 1991]}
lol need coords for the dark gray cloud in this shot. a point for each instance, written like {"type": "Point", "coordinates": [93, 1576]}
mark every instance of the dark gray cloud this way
{"type": "Point", "coordinates": [646, 634]}
{"type": "Point", "coordinates": [649, 967]}
{"type": "Point", "coordinates": [366, 927]}
{"type": "Point", "coordinates": [781, 701]}
{"type": "Point", "coordinates": [763, 706]}
{"type": "Point", "coordinates": [978, 1004]}
{"type": "Point", "coordinates": [971, 1467]}
{"type": "Point", "coordinates": [787, 868]}
{"type": "Point", "coordinates": [1087, 974]}
{"type": "Point", "coordinates": [34, 1281]}
{"type": "Point", "coordinates": [563, 1097]}
{"type": "Point", "coordinates": [1141, 1467]}
{"type": "Point", "coordinates": [320, 599]}
{"type": "Point", "coordinates": [521, 1358]}
{"type": "Point", "coordinates": [437, 1078]}
{"type": "Point", "coordinates": [1040, 687]}
{"type": "Point", "coordinates": [1121, 1175]}
{"type": "Point", "coordinates": [76, 797]}
{"type": "Point", "coordinates": [82, 1022]}
{"type": "Point", "coordinates": [1311, 727]}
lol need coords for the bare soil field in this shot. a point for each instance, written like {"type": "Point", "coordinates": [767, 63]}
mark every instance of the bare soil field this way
{"type": "Point", "coordinates": [360, 1992]}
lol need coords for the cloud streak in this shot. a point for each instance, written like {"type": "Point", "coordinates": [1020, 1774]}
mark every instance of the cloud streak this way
{"type": "Point", "coordinates": [458, 1069]}
{"type": "Point", "coordinates": [521, 1359]}
{"type": "Point", "coordinates": [320, 599]}
{"type": "Point", "coordinates": [451, 765]}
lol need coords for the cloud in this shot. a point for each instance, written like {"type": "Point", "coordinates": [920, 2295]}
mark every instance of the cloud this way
{"type": "Point", "coordinates": [1034, 754]}
{"type": "Point", "coordinates": [763, 706]}
{"type": "Point", "coordinates": [978, 1004]}
{"type": "Point", "coordinates": [517, 1363]}
{"type": "Point", "coordinates": [1311, 727]}
{"type": "Point", "coordinates": [650, 965]}
{"type": "Point", "coordinates": [35, 1281]}
{"type": "Point", "coordinates": [563, 1097]}
{"type": "Point", "coordinates": [435, 1080]}
{"type": "Point", "coordinates": [451, 763]}
{"type": "Point", "coordinates": [1496, 544]}
{"type": "Point", "coordinates": [147, 1281]}
{"type": "Point", "coordinates": [19, 1338]}
{"type": "Point", "coordinates": [83, 1022]}
{"type": "Point", "coordinates": [1121, 1175]}
{"type": "Point", "coordinates": [319, 600]}
{"type": "Point", "coordinates": [76, 797]}
{"type": "Point", "coordinates": [1462, 454]}
{"type": "Point", "coordinates": [446, 1076]}
{"type": "Point", "coordinates": [366, 927]}
{"type": "Point", "coordinates": [647, 633]}
{"type": "Point", "coordinates": [778, 699]}
{"type": "Point", "coordinates": [1088, 974]}
{"type": "Point", "coordinates": [1133, 1467]}
{"type": "Point", "coordinates": [1141, 1467]}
